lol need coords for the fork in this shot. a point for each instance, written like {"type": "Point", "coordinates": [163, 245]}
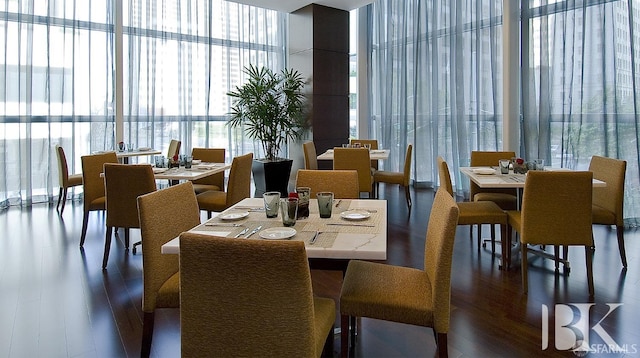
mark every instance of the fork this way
{"type": "Point", "coordinates": [223, 224]}
{"type": "Point", "coordinates": [315, 237]}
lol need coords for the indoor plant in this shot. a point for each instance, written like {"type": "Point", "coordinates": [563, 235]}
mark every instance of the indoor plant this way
{"type": "Point", "coordinates": [271, 108]}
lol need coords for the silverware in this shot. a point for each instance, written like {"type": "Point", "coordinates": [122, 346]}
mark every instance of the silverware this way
{"type": "Point", "coordinates": [338, 202]}
{"type": "Point", "coordinates": [315, 237]}
{"type": "Point", "coordinates": [244, 231]}
{"type": "Point", "coordinates": [253, 231]}
{"type": "Point", "coordinates": [344, 224]}
{"type": "Point", "coordinates": [223, 224]}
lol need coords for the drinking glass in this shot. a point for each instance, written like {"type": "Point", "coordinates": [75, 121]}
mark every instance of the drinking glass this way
{"type": "Point", "coordinates": [188, 161]}
{"type": "Point", "coordinates": [325, 203]}
{"type": "Point", "coordinates": [289, 211]}
{"type": "Point", "coordinates": [539, 163]}
{"type": "Point", "coordinates": [271, 200]}
{"type": "Point", "coordinates": [303, 201]}
{"type": "Point", "coordinates": [504, 166]}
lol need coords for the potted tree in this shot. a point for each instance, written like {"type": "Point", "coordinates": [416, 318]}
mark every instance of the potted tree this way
{"type": "Point", "coordinates": [271, 108]}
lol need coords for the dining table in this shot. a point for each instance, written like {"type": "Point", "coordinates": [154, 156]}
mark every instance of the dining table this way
{"type": "Point", "coordinates": [374, 154]}
{"type": "Point", "coordinates": [198, 171]}
{"type": "Point", "coordinates": [357, 229]}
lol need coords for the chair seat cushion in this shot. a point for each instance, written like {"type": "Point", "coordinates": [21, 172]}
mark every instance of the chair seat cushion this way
{"type": "Point", "coordinates": [212, 200]}
{"type": "Point", "coordinates": [324, 310]}
{"type": "Point", "coordinates": [602, 216]}
{"type": "Point", "coordinates": [383, 176]}
{"type": "Point", "coordinates": [392, 293]}
{"type": "Point", "coordinates": [485, 212]}
{"type": "Point", "coordinates": [515, 219]}
{"type": "Point", "coordinates": [74, 180]}
{"type": "Point", "coordinates": [169, 292]}
{"type": "Point", "coordinates": [201, 188]}
{"type": "Point", "coordinates": [98, 204]}
{"type": "Point", "coordinates": [505, 201]}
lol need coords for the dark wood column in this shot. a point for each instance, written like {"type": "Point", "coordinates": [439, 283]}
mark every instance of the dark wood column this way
{"type": "Point", "coordinates": [319, 49]}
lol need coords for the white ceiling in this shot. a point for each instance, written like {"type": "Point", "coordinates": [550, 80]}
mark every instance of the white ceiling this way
{"type": "Point", "coordinates": [293, 5]}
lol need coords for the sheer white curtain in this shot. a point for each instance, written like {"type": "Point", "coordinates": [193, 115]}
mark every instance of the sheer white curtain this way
{"type": "Point", "coordinates": [436, 81]}
{"type": "Point", "coordinates": [581, 80]}
{"type": "Point", "coordinates": [58, 80]}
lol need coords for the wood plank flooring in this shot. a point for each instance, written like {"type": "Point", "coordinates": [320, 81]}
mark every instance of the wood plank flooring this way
{"type": "Point", "coordinates": [55, 301]}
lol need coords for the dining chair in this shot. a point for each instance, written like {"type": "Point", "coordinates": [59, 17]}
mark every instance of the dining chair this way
{"type": "Point", "coordinates": [238, 187]}
{"type": "Point", "coordinates": [556, 210]}
{"type": "Point", "coordinates": [93, 185]}
{"type": "Point", "coordinates": [310, 156]}
{"type": "Point", "coordinates": [401, 178]}
{"type": "Point", "coordinates": [123, 184]}
{"type": "Point", "coordinates": [355, 159]}
{"type": "Point", "coordinates": [608, 201]}
{"type": "Point", "coordinates": [211, 182]}
{"type": "Point", "coordinates": [478, 213]}
{"type": "Point", "coordinates": [174, 148]}
{"type": "Point", "coordinates": [342, 183]}
{"type": "Point", "coordinates": [66, 180]}
{"type": "Point", "coordinates": [404, 294]}
{"type": "Point", "coordinates": [373, 143]}
{"type": "Point", "coordinates": [164, 214]}
{"type": "Point", "coordinates": [240, 298]}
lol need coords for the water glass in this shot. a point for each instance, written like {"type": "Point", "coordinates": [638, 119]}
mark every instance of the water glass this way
{"type": "Point", "coordinates": [271, 200]}
{"type": "Point", "coordinates": [303, 201]}
{"type": "Point", "coordinates": [539, 163]}
{"type": "Point", "coordinates": [289, 211]}
{"type": "Point", "coordinates": [188, 160]}
{"type": "Point", "coordinates": [325, 203]}
{"type": "Point", "coordinates": [346, 145]}
{"type": "Point", "coordinates": [504, 166]}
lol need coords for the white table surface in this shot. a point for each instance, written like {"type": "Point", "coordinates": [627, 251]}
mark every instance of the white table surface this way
{"type": "Point", "coordinates": [371, 244]}
{"type": "Point", "coordinates": [374, 154]}
{"type": "Point", "coordinates": [196, 172]}
{"type": "Point", "coordinates": [136, 153]}
{"type": "Point", "coordinates": [510, 180]}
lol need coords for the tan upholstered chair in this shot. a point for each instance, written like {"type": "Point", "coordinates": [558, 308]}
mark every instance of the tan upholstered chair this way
{"type": "Point", "coordinates": [374, 145]}
{"type": "Point", "coordinates": [401, 178]}
{"type": "Point", "coordinates": [66, 180]}
{"type": "Point", "coordinates": [403, 294]}
{"type": "Point", "coordinates": [608, 202]}
{"type": "Point", "coordinates": [239, 187]}
{"type": "Point", "coordinates": [556, 210]}
{"type": "Point", "coordinates": [478, 213]}
{"type": "Point", "coordinates": [93, 185]}
{"type": "Point", "coordinates": [355, 159]}
{"type": "Point", "coordinates": [310, 156]}
{"type": "Point", "coordinates": [123, 184]}
{"type": "Point", "coordinates": [240, 298]}
{"type": "Point", "coordinates": [174, 148]}
{"type": "Point", "coordinates": [211, 182]}
{"type": "Point", "coordinates": [164, 214]}
{"type": "Point", "coordinates": [505, 198]}
{"type": "Point", "coordinates": [343, 183]}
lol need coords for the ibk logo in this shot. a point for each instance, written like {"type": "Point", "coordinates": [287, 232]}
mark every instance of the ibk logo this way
{"type": "Point", "coordinates": [573, 329]}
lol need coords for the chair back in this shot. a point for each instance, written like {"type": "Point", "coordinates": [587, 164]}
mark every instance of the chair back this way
{"type": "Point", "coordinates": [123, 184]}
{"type": "Point", "coordinates": [310, 156]}
{"type": "Point", "coordinates": [374, 145]}
{"type": "Point", "coordinates": [343, 183]}
{"type": "Point", "coordinates": [239, 179]}
{"type": "Point", "coordinates": [355, 159]}
{"type": "Point", "coordinates": [93, 184]}
{"type": "Point", "coordinates": [556, 208]}
{"type": "Point", "coordinates": [438, 256]}
{"type": "Point", "coordinates": [240, 298]}
{"type": "Point", "coordinates": [445, 176]}
{"type": "Point", "coordinates": [407, 165]}
{"type": "Point", "coordinates": [163, 214]}
{"type": "Point", "coordinates": [174, 148]}
{"type": "Point", "coordinates": [63, 168]}
{"type": "Point", "coordinates": [611, 197]}
{"type": "Point", "coordinates": [210, 155]}
{"type": "Point", "coordinates": [488, 158]}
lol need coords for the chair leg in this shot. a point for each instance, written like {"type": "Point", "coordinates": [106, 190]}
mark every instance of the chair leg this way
{"type": "Point", "coordinates": [589, 253]}
{"type": "Point", "coordinates": [344, 336]}
{"type": "Point", "coordinates": [107, 247]}
{"type": "Point", "coordinates": [407, 194]}
{"type": "Point", "coordinates": [525, 268]}
{"type": "Point", "coordinates": [59, 198]}
{"type": "Point", "coordinates": [85, 222]}
{"type": "Point", "coordinates": [327, 350]}
{"type": "Point", "coordinates": [556, 253]}
{"type": "Point", "coordinates": [126, 238]}
{"type": "Point", "coordinates": [479, 236]}
{"type": "Point", "coordinates": [64, 200]}
{"type": "Point", "coordinates": [493, 239]}
{"type": "Point", "coordinates": [441, 342]}
{"type": "Point", "coordinates": [147, 333]}
{"type": "Point", "coordinates": [505, 242]}
{"type": "Point", "coordinates": [623, 255]}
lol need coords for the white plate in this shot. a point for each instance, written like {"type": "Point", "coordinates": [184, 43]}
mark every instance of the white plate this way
{"type": "Point", "coordinates": [355, 214]}
{"type": "Point", "coordinates": [484, 171]}
{"type": "Point", "coordinates": [277, 233]}
{"type": "Point", "coordinates": [159, 170]}
{"type": "Point", "coordinates": [234, 216]}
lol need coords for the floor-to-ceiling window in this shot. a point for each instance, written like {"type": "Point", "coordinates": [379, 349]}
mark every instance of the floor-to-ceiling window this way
{"type": "Point", "coordinates": [58, 80]}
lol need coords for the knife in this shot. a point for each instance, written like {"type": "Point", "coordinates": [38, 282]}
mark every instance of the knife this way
{"type": "Point", "coordinates": [253, 231]}
{"type": "Point", "coordinates": [244, 231]}
{"type": "Point", "coordinates": [366, 225]}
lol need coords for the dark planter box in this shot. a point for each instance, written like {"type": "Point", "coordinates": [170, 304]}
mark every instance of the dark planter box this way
{"type": "Point", "coordinates": [271, 176]}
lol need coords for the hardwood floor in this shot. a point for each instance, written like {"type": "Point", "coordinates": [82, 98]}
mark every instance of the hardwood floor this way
{"type": "Point", "coordinates": [55, 301]}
